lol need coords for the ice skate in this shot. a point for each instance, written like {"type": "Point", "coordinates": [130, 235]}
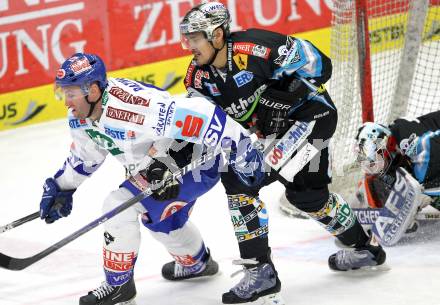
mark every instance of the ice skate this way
{"type": "Point", "coordinates": [369, 255]}
{"type": "Point", "coordinates": [176, 272]}
{"type": "Point", "coordinates": [260, 282]}
{"type": "Point", "coordinates": [111, 295]}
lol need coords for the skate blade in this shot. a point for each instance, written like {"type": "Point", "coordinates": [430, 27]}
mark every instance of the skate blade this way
{"type": "Point", "coordinates": [294, 214]}
{"type": "Point", "coordinates": [367, 270]}
{"type": "Point", "coordinates": [129, 302]}
{"type": "Point", "coordinates": [271, 299]}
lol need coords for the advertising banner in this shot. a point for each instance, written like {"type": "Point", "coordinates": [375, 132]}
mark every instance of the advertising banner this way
{"type": "Point", "coordinates": [136, 38]}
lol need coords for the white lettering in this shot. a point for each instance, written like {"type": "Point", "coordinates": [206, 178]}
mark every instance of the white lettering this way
{"type": "Point", "coordinates": [78, 46]}
{"type": "Point", "coordinates": [259, 13]}
{"type": "Point", "coordinates": [3, 46]}
{"type": "Point", "coordinates": [142, 42]}
{"type": "Point", "coordinates": [175, 18]}
{"type": "Point", "coordinates": [42, 55]}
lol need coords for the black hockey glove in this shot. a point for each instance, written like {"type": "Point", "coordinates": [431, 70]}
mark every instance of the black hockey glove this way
{"type": "Point", "coordinates": [272, 113]}
{"type": "Point", "coordinates": [157, 172]}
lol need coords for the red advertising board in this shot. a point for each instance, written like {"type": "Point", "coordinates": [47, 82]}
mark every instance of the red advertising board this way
{"type": "Point", "coordinates": [36, 35]}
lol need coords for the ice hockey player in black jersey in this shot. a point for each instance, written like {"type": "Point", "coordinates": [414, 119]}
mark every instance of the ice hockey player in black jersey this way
{"type": "Point", "coordinates": [273, 84]}
{"type": "Point", "coordinates": [409, 144]}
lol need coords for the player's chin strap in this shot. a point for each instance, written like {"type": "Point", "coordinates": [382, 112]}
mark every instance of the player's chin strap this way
{"type": "Point", "coordinates": [214, 56]}
{"type": "Point", "coordinates": [92, 104]}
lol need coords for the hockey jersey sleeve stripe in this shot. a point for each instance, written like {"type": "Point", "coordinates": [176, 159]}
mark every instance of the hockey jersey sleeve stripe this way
{"type": "Point", "coordinates": [74, 172]}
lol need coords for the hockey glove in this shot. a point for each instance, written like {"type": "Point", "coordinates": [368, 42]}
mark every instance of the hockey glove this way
{"type": "Point", "coordinates": [273, 111]}
{"type": "Point", "coordinates": [157, 172]}
{"type": "Point", "coordinates": [54, 202]}
{"type": "Point", "coordinates": [246, 161]}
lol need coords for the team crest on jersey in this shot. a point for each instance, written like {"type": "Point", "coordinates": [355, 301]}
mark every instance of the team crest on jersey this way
{"type": "Point", "coordinates": [172, 208]}
{"type": "Point", "coordinates": [213, 89]}
{"type": "Point", "coordinates": [283, 50]}
{"type": "Point", "coordinates": [77, 123]}
{"type": "Point", "coordinates": [409, 146]}
{"type": "Point", "coordinates": [243, 77]}
{"type": "Point", "coordinates": [241, 60]}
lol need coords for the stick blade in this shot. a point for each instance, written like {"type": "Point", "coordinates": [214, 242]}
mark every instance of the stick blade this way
{"type": "Point", "coordinates": [12, 263]}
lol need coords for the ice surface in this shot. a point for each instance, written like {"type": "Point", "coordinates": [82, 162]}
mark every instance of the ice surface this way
{"type": "Point", "coordinates": [300, 247]}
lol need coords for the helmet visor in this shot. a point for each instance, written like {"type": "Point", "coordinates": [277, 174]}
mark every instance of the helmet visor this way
{"type": "Point", "coordinates": [67, 93]}
{"type": "Point", "coordinates": [371, 156]}
{"type": "Point", "coordinates": [193, 40]}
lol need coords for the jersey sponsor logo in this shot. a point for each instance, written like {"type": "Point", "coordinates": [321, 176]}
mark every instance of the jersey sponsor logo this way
{"type": "Point", "coordinates": [215, 128]}
{"type": "Point", "coordinates": [213, 89]}
{"type": "Point", "coordinates": [298, 162]}
{"type": "Point", "coordinates": [189, 73]}
{"type": "Point", "coordinates": [198, 78]}
{"type": "Point", "coordinates": [172, 208]}
{"type": "Point", "coordinates": [188, 124]}
{"type": "Point", "coordinates": [128, 98]}
{"type": "Point", "coordinates": [289, 143]}
{"type": "Point", "coordinates": [77, 123]}
{"type": "Point", "coordinates": [251, 49]}
{"type": "Point", "coordinates": [241, 60]}
{"type": "Point", "coordinates": [119, 134]}
{"type": "Point", "coordinates": [104, 141]}
{"type": "Point", "coordinates": [164, 118]}
{"type": "Point", "coordinates": [124, 115]}
{"type": "Point", "coordinates": [243, 77]}
{"type": "Point", "coordinates": [131, 84]}
{"type": "Point", "coordinates": [237, 110]}
{"type": "Point", "coordinates": [80, 65]}
{"type": "Point", "coordinates": [118, 261]}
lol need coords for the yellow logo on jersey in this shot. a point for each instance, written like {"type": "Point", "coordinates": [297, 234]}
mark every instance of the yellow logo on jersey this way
{"type": "Point", "coordinates": [241, 60]}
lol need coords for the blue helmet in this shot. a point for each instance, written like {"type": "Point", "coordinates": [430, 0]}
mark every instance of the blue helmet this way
{"type": "Point", "coordinates": [82, 70]}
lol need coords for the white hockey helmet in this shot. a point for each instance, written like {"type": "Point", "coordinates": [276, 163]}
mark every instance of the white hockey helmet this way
{"type": "Point", "coordinates": [372, 148]}
{"type": "Point", "coordinates": [206, 17]}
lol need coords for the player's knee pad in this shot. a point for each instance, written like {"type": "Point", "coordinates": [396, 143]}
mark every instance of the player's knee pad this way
{"type": "Point", "coordinates": [121, 239]}
{"type": "Point", "coordinates": [336, 216]}
{"type": "Point", "coordinates": [122, 231]}
{"type": "Point", "coordinates": [310, 200]}
{"type": "Point", "coordinates": [249, 216]}
{"type": "Point", "coordinates": [183, 241]}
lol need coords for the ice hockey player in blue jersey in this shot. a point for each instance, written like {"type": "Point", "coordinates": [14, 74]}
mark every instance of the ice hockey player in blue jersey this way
{"type": "Point", "coordinates": [136, 123]}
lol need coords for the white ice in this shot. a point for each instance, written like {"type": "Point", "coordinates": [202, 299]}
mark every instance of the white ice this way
{"type": "Point", "coordinates": [300, 247]}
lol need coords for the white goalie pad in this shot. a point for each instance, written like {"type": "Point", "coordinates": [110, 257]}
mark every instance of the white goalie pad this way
{"type": "Point", "coordinates": [399, 210]}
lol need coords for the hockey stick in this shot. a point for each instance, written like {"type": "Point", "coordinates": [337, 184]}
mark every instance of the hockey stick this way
{"type": "Point", "coordinates": [19, 222]}
{"type": "Point", "coordinates": [13, 263]}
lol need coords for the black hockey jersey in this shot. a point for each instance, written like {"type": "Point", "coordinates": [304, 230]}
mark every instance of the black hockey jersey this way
{"type": "Point", "coordinates": [257, 59]}
{"type": "Point", "coordinates": [419, 140]}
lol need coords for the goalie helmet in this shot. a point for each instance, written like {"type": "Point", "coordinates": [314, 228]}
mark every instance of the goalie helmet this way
{"type": "Point", "coordinates": [206, 17]}
{"type": "Point", "coordinates": [374, 149]}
